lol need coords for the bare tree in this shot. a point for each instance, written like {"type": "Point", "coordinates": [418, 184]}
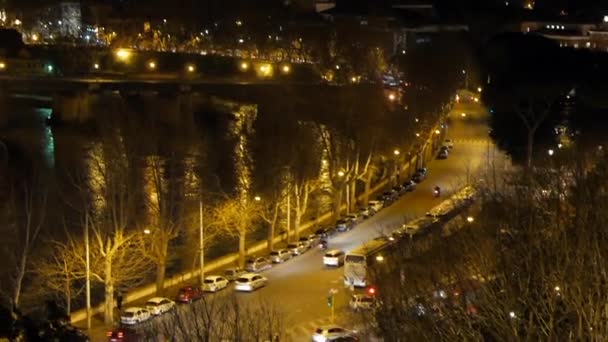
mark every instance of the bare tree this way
{"type": "Point", "coordinates": [25, 214]}
{"type": "Point", "coordinates": [237, 217]}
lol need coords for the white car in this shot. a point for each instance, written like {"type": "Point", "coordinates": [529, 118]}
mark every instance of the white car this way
{"type": "Point", "coordinates": [362, 302]}
{"type": "Point", "coordinates": [159, 305]}
{"type": "Point", "coordinates": [297, 248]}
{"type": "Point", "coordinates": [330, 332]}
{"type": "Point", "coordinates": [214, 283]}
{"type": "Point", "coordinates": [356, 218]}
{"type": "Point", "coordinates": [334, 257]}
{"type": "Point", "coordinates": [134, 315]}
{"type": "Point", "coordinates": [376, 205]}
{"type": "Point", "coordinates": [249, 282]}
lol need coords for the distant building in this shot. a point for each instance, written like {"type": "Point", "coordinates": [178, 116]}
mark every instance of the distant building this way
{"type": "Point", "coordinates": [578, 35]}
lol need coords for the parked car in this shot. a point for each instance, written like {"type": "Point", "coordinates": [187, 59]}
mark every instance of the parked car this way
{"type": "Point", "coordinates": [376, 205]}
{"type": "Point", "coordinates": [304, 240]}
{"type": "Point", "coordinates": [366, 212]}
{"type": "Point", "coordinates": [343, 225]}
{"type": "Point", "coordinates": [214, 283]}
{"type": "Point", "coordinates": [134, 315]}
{"type": "Point", "coordinates": [249, 282]}
{"type": "Point", "coordinates": [313, 239]}
{"type": "Point", "coordinates": [419, 175]}
{"type": "Point", "coordinates": [159, 305]}
{"type": "Point", "coordinates": [449, 143]}
{"type": "Point", "coordinates": [388, 197]}
{"type": "Point", "coordinates": [280, 255]}
{"type": "Point", "coordinates": [188, 294]}
{"type": "Point", "coordinates": [325, 232]}
{"type": "Point", "coordinates": [334, 257]}
{"type": "Point", "coordinates": [296, 248]}
{"type": "Point", "coordinates": [409, 185]}
{"type": "Point", "coordinates": [443, 154]}
{"type": "Point", "coordinates": [232, 273]}
{"type": "Point", "coordinates": [330, 333]}
{"type": "Point", "coordinates": [399, 189]}
{"type": "Point", "coordinates": [258, 264]}
{"type": "Point", "coordinates": [356, 218]}
{"type": "Point", "coordinates": [124, 335]}
{"type": "Point", "coordinates": [362, 302]}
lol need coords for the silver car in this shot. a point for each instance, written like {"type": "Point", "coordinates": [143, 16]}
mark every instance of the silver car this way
{"type": "Point", "coordinates": [280, 256]}
{"type": "Point", "coordinates": [258, 264]}
{"type": "Point", "coordinates": [297, 248]}
{"type": "Point", "coordinates": [232, 273]}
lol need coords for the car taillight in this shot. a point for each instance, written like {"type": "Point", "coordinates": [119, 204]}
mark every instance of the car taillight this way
{"type": "Point", "coordinates": [109, 334]}
{"type": "Point", "coordinates": [120, 334]}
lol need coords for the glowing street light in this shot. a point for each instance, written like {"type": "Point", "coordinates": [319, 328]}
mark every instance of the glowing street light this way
{"type": "Point", "coordinates": [340, 173]}
{"type": "Point", "coordinates": [286, 69]}
{"type": "Point", "coordinates": [416, 119]}
{"type": "Point", "coordinates": [244, 66]}
{"type": "Point", "coordinates": [512, 314]}
{"type": "Point", "coordinates": [96, 66]}
{"type": "Point", "coordinates": [147, 231]}
{"type": "Point", "coordinates": [479, 90]}
{"type": "Point", "coordinates": [379, 258]}
{"type": "Point", "coordinates": [550, 152]}
{"type": "Point", "coordinates": [190, 68]}
{"type": "Point", "coordinates": [337, 67]}
{"type": "Point", "coordinates": [123, 54]}
{"type": "Point", "coordinates": [396, 152]}
{"type": "Point", "coordinates": [392, 97]}
{"type": "Point", "coordinates": [417, 135]}
{"type": "Point", "coordinates": [2, 65]}
{"type": "Point", "coordinates": [151, 65]}
{"type": "Point", "coordinates": [560, 145]}
{"type": "Point", "coordinates": [353, 79]}
{"type": "Point", "coordinates": [470, 219]}
{"type": "Point", "coordinates": [257, 198]}
{"type": "Point", "coordinates": [34, 37]}
{"type": "Point", "coordinates": [437, 131]}
{"type": "Point", "coordinates": [464, 115]}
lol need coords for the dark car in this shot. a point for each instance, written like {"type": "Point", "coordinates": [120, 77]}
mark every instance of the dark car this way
{"type": "Point", "coordinates": [325, 232]}
{"type": "Point", "coordinates": [419, 175]}
{"type": "Point", "coordinates": [188, 294]}
{"type": "Point", "coordinates": [344, 225]}
{"type": "Point", "coordinates": [409, 185]}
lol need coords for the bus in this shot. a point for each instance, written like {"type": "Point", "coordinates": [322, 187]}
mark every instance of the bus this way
{"type": "Point", "coordinates": [359, 259]}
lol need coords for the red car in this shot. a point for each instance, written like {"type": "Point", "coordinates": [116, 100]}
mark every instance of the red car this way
{"type": "Point", "coordinates": [123, 335]}
{"type": "Point", "coordinates": [189, 294]}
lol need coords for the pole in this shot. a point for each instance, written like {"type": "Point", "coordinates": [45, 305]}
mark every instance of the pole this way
{"type": "Point", "coordinates": [88, 268]}
{"type": "Point", "coordinates": [333, 304]}
{"type": "Point", "coordinates": [288, 211]}
{"type": "Point", "coordinates": [201, 236]}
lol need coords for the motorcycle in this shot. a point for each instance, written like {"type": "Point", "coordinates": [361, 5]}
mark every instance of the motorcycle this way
{"type": "Point", "coordinates": [437, 192]}
{"type": "Point", "coordinates": [323, 245]}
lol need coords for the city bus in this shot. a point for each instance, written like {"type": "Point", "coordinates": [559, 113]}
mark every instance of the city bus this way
{"type": "Point", "coordinates": [359, 259]}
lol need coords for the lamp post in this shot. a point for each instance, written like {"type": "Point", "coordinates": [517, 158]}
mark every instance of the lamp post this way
{"type": "Point", "coordinates": [201, 237]}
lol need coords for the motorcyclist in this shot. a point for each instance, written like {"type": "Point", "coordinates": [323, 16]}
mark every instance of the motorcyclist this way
{"type": "Point", "coordinates": [323, 243]}
{"type": "Point", "coordinates": [437, 191]}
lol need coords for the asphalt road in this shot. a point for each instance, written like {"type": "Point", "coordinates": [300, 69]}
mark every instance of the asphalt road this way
{"type": "Point", "coordinates": [299, 287]}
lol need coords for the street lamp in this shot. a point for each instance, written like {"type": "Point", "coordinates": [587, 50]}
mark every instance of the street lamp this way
{"type": "Point", "coordinates": [479, 90]}
{"type": "Point", "coordinates": [147, 231]}
{"type": "Point", "coordinates": [340, 173]}
{"type": "Point", "coordinates": [417, 135]}
{"type": "Point", "coordinates": [551, 152]}
{"type": "Point", "coordinates": [470, 219]}
{"type": "Point", "coordinates": [286, 69]}
{"type": "Point", "coordinates": [96, 66]}
{"type": "Point", "coordinates": [244, 66]}
{"type": "Point", "coordinates": [396, 152]}
{"type": "Point", "coordinates": [416, 119]}
{"type": "Point", "coordinates": [123, 55]}
{"type": "Point", "coordinates": [257, 198]}
{"type": "Point", "coordinates": [464, 115]}
{"type": "Point", "coordinates": [2, 65]}
{"type": "Point", "coordinates": [392, 97]}
{"type": "Point", "coordinates": [151, 65]}
{"type": "Point", "coordinates": [437, 131]}
{"type": "Point", "coordinates": [337, 67]}
{"type": "Point", "coordinates": [190, 68]}
{"type": "Point", "coordinates": [379, 258]}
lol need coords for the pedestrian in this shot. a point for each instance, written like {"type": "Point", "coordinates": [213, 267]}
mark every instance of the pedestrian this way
{"type": "Point", "coordinates": [119, 301]}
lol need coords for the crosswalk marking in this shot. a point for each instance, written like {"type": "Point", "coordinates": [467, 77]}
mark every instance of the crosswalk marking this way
{"type": "Point", "coordinates": [470, 140]}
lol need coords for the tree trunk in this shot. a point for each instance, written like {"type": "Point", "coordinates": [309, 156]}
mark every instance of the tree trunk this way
{"type": "Point", "coordinates": [161, 269]}
{"type": "Point", "coordinates": [296, 221]}
{"type": "Point", "coordinates": [242, 239]}
{"type": "Point", "coordinates": [530, 148]}
{"type": "Point", "coordinates": [273, 225]}
{"type": "Point", "coordinates": [337, 203]}
{"type": "Point", "coordinates": [353, 195]}
{"type": "Point", "coordinates": [19, 278]}
{"type": "Point", "coordinates": [109, 292]}
{"type": "Point", "coordinates": [368, 185]}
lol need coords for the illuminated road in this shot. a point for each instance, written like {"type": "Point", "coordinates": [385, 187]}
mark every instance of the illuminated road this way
{"type": "Point", "coordinates": [299, 287]}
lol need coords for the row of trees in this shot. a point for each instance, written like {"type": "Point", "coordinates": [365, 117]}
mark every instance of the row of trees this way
{"type": "Point", "coordinates": [530, 267]}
